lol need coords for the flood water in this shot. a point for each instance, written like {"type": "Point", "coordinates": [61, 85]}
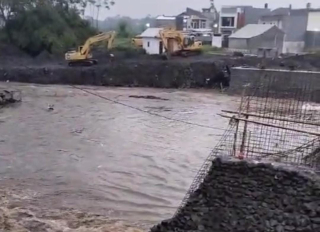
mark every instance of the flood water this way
{"type": "Point", "coordinates": [96, 156]}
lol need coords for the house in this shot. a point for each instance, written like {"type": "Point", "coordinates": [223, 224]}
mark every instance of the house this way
{"type": "Point", "coordinates": [233, 18]}
{"type": "Point", "coordinates": [151, 41]}
{"type": "Point", "coordinates": [213, 16]}
{"type": "Point", "coordinates": [261, 39]}
{"type": "Point", "coordinates": [196, 20]}
{"type": "Point", "coordinates": [312, 39]}
{"type": "Point", "coordinates": [293, 22]}
{"type": "Point", "coordinates": [165, 21]}
{"type": "Point", "coordinates": [153, 44]}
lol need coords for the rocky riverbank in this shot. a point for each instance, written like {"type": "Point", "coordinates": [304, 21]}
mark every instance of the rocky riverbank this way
{"type": "Point", "coordinates": [247, 196]}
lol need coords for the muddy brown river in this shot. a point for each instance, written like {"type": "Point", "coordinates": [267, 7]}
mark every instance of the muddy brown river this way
{"type": "Point", "coordinates": [102, 158]}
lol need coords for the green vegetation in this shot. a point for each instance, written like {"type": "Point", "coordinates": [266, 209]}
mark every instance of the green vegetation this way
{"type": "Point", "coordinates": [46, 25]}
{"type": "Point", "coordinates": [123, 43]}
{"type": "Point", "coordinates": [208, 49]}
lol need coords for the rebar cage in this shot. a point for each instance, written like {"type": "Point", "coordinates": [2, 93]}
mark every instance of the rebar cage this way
{"type": "Point", "coordinates": [270, 125]}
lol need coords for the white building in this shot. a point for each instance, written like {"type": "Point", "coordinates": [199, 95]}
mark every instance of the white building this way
{"type": "Point", "coordinates": [313, 30]}
{"type": "Point", "coordinates": [151, 41]}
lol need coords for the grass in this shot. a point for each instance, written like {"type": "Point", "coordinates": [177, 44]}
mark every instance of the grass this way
{"type": "Point", "coordinates": [123, 43]}
{"type": "Point", "coordinates": [208, 49]}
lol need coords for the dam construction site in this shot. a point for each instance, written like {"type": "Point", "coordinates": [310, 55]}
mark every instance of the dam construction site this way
{"type": "Point", "coordinates": [205, 121]}
{"type": "Point", "coordinates": [262, 174]}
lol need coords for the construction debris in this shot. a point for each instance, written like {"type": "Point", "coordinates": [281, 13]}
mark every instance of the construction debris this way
{"type": "Point", "coordinates": [248, 196]}
{"type": "Point", "coordinates": [263, 173]}
{"type": "Point", "coordinates": [9, 96]}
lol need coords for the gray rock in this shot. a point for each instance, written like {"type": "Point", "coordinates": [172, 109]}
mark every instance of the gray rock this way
{"type": "Point", "coordinates": [237, 196]}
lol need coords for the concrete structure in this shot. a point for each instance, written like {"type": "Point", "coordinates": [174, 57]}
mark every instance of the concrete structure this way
{"type": "Point", "coordinates": [165, 21]}
{"type": "Point", "coordinates": [285, 80]}
{"type": "Point", "coordinates": [213, 16]}
{"type": "Point", "coordinates": [202, 25]}
{"type": "Point", "coordinates": [198, 21]}
{"type": "Point", "coordinates": [236, 17]}
{"type": "Point", "coordinates": [293, 22]}
{"type": "Point", "coordinates": [263, 40]}
{"type": "Point", "coordinates": [151, 41]}
{"type": "Point", "coordinates": [312, 39]}
{"type": "Point", "coordinates": [192, 20]}
{"type": "Point", "coordinates": [216, 41]}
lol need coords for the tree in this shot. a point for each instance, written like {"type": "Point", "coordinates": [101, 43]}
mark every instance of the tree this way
{"type": "Point", "coordinates": [123, 31]}
{"type": "Point", "coordinates": [51, 25]}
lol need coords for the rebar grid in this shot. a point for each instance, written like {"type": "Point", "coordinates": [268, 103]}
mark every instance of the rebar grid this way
{"type": "Point", "coordinates": [272, 125]}
{"type": "Point", "coordinates": [282, 126]}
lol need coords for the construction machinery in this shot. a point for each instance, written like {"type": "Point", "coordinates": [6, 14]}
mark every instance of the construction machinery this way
{"type": "Point", "coordinates": [179, 43]}
{"type": "Point", "coordinates": [83, 56]}
{"type": "Point", "coordinates": [137, 42]}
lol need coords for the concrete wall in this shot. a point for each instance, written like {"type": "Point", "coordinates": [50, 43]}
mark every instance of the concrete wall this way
{"type": "Point", "coordinates": [228, 12]}
{"type": "Point", "coordinates": [293, 47]}
{"type": "Point", "coordinates": [151, 45]}
{"type": "Point", "coordinates": [296, 25]}
{"type": "Point", "coordinates": [165, 23]}
{"type": "Point", "coordinates": [272, 39]}
{"type": "Point", "coordinates": [252, 15]}
{"type": "Point", "coordinates": [217, 41]}
{"type": "Point", "coordinates": [274, 20]}
{"type": "Point", "coordinates": [313, 40]}
{"type": "Point", "coordinates": [284, 80]}
{"type": "Point", "coordinates": [235, 43]}
{"type": "Point", "coordinates": [313, 21]}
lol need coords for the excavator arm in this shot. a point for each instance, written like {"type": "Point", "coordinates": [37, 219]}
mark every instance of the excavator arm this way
{"type": "Point", "coordinates": [108, 37]}
{"type": "Point", "coordinates": [83, 56]}
{"type": "Point", "coordinates": [185, 44]}
{"type": "Point", "coordinates": [166, 35]}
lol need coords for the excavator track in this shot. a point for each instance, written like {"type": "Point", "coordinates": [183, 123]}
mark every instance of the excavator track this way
{"type": "Point", "coordinates": [82, 63]}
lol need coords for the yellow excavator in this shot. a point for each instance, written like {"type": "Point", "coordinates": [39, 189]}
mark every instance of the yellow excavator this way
{"type": "Point", "coordinates": [137, 42]}
{"type": "Point", "coordinates": [179, 43]}
{"type": "Point", "coordinates": [83, 56]}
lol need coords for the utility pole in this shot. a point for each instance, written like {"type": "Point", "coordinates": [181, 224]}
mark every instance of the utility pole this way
{"type": "Point", "coordinates": [98, 12]}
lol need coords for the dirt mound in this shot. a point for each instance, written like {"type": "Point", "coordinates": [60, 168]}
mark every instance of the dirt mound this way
{"type": "Point", "coordinates": [12, 51]}
{"type": "Point", "coordinates": [308, 61]}
{"type": "Point", "coordinates": [12, 56]}
{"type": "Point", "coordinates": [45, 56]}
{"type": "Point", "coordinates": [133, 74]}
{"type": "Point", "coordinates": [246, 196]}
{"type": "Point", "coordinates": [9, 97]}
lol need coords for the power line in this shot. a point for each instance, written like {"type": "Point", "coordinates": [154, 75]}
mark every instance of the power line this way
{"type": "Point", "coordinates": [145, 111]}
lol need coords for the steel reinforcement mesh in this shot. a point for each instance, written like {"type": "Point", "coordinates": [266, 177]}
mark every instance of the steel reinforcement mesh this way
{"type": "Point", "coordinates": [270, 125]}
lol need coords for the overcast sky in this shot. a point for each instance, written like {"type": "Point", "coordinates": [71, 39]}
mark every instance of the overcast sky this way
{"type": "Point", "coordinates": [141, 8]}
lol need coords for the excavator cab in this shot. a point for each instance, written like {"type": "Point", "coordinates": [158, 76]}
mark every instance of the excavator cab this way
{"type": "Point", "coordinates": [188, 41]}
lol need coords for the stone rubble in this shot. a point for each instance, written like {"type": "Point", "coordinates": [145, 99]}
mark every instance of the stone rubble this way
{"type": "Point", "coordinates": [243, 196]}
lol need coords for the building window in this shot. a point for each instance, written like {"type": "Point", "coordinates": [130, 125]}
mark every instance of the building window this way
{"type": "Point", "coordinates": [148, 44]}
{"type": "Point", "coordinates": [195, 24]}
{"type": "Point", "coordinates": [203, 24]}
{"type": "Point", "coordinates": [227, 22]}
